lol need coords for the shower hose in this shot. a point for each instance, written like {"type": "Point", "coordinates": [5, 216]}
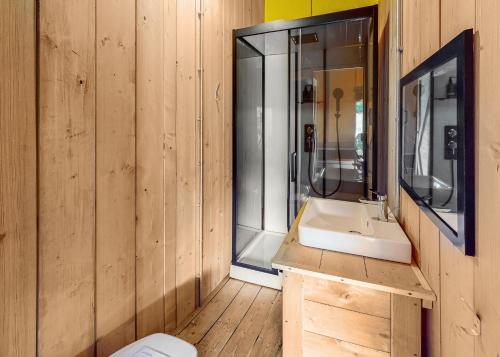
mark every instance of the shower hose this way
{"type": "Point", "coordinates": [313, 147]}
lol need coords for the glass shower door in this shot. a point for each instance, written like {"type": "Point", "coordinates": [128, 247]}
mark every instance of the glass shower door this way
{"type": "Point", "coordinates": [249, 143]}
{"type": "Point", "coordinates": [261, 148]}
{"type": "Point", "coordinates": [332, 110]}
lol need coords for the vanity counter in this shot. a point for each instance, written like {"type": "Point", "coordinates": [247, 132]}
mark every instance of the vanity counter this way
{"type": "Point", "coordinates": [381, 275]}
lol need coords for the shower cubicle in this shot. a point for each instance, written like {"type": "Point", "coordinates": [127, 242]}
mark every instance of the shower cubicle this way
{"type": "Point", "coordinates": [304, 118]}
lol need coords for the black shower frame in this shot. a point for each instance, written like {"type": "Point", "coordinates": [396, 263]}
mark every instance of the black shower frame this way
{"type": "Point", "coordinates": [287, 25]}
{"type": "Point", "coordinates": [461, 48]}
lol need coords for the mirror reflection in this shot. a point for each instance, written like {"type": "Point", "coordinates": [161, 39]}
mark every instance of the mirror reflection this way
{"type": "Point", "coordinates": [430, 140]}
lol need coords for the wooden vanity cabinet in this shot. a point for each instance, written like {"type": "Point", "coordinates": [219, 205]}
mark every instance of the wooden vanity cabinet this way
{"type": "Point", "coordinates": [328, 318]}
{"type": "Point", "coordinates": [343, 305]}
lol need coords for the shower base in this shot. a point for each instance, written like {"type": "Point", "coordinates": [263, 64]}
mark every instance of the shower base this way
{"type": "Point", "coordinates": [258, 253]}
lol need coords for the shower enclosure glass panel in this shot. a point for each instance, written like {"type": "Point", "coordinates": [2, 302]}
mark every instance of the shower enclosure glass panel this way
{"type": "Point", "coordinates": [304, 119]}
{"type": "Point", "coordinates": [249, 139]}
{"type": "Point", "coordinates": [261, 143]}
{"type": "Point", "coordinates": [331, 107]}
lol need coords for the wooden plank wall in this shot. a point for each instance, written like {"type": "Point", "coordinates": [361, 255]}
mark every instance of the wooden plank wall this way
{"type": "Point", "coordinates": [186, 158]}
{"type": "Point", "coordinates": [18, 244]}
{"type": "Point", "coordinates": [217, 131]}
{"type": "Point", "coordinates": [486, 277]}
{"type": "Point", "coordinates": [115, 175]}
{"type": "Point", "coordinates": [66, 178]}
{"type": "Point", "coordinates": [113, 171]}
{"type": "Point", "coordinates": [150, 117]}
{"type": "Point", "coordinates": [466, 287]}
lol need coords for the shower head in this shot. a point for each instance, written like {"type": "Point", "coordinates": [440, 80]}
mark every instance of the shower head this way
{"type": "Point", "coordinates": [305, 38]}
{"type": "Point", "coordinates": [338, 93]}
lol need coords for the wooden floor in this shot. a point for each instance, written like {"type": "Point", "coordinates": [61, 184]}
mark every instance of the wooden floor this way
{"type": "Point", "coordinates": [241, 319]}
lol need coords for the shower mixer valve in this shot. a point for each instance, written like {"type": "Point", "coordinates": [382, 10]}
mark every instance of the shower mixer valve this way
{"type": "Point", "coordinates": [450, 142]}
{"type": "Point", "coordinates": [308, 137]}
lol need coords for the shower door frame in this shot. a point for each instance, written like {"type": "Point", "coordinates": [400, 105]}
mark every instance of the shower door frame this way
{"type": "Point", "coordinates": [288, 25]}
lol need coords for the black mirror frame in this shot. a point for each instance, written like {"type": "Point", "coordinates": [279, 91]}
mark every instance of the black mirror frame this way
{"type": "Point", "coordinates": [461, 48]}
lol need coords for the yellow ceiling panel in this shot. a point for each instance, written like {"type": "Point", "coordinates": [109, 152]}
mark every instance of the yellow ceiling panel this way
{"type": "Point", "coordinates": [320, 7]}
{"type": "Point", "coordinates": [287, 9]}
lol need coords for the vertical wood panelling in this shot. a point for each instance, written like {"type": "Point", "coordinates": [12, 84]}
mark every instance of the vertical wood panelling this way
{"type": "Point", "coordinates": [230, 22]}
{"type": "Point", "coordinates": [486, 277]}
{"type": "Point", "coordinates": [410, 35]}
{"type": "Point", "coordinates": [428, 27]}
{"type": "Point", "coordinates": [456, 16]}
{"type": "Point", "coordinates": [457, 294]}
{"type": "Point", "coordinates": [469, 286]}
{"type": "Point", "coordinates": [17, 179]}
{"type": "Point", "coordinates": [447, 328]}
{"type": "Point", "coordinates": [170, 161]}
{"type": "Point", "coordinates": [405, 326]}
{"type": "Point", "coordinates": [66, 178]}
{"type": "Point", "coordinates": [186, 159]}
{"type": "Point", "coordinates": [213, 158]}
{"type": "Point", "coordinates": [293, 299]}
{"type": "Point", "coordinates": [412, 227]}
{"type": "Point", "coordinates": [420, 37]}
{"type": "Point", "coordinates": [430, 267]}
{"type": "Point", "coordinates": [150, 195]}
{"type": "Point", "coordinates": [115, 175]}
{"type": "Point", "coordinates": [403, 207]}
{"type": "Point", "coordinates": [219, 20]}
{"type": "Point", "coordinates": [119, 244]}
{"type": "Point", "coordinates": [393, 108]}
{"type": "Point", "coordinates": [198, 145]}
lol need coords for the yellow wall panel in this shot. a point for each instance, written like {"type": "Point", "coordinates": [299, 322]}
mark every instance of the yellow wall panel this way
{"type": "Point", "coordinates": [287, 9]}
{"type": "Point", "coordinates": [320, 7]}
{"type": "Point", "coordinates": [295, 9]}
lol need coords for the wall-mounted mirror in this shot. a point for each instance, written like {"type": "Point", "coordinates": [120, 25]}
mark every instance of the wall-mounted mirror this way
{"type": "Point", "coordinates": [437, 139]}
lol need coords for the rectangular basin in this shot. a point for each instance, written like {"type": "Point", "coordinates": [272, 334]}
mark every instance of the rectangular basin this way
{"type": "Point", "coordinates": [354, 228]}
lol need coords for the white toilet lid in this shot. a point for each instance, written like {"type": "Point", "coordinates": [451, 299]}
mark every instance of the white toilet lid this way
{"type": "Point", "coordinates": [158, 345]}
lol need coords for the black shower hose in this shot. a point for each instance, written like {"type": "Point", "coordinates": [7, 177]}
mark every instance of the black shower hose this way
{"type": "Point", "coordinates": [452, 185]}
{"type": "Point", "coordinates": [313, 147]}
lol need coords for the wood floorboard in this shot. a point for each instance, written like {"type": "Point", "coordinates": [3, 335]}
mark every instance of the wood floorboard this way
{"type": "Point", "coordinates": [242, 319]}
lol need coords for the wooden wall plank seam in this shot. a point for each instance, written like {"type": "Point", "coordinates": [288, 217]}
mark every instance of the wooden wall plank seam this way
{"type": "Point", "coordinates": [150, 237]}
{"type": "Point", "coordinates": [198, 145]}
{"type": "Point", "coordinates": [186, 160]}
{"type": "Point", "coordinates": [170, 161]}
{"type": "Point", "coordinates": [213, 169]}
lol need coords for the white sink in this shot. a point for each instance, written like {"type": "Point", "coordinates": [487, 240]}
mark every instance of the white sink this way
{"type": "Point", "coordinates": [354, 228]}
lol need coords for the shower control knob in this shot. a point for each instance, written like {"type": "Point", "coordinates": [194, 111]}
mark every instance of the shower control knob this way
{"type": "Point", "coordinates": [452, 133]}
{"type": "Point", "coordinates": [452, 145]}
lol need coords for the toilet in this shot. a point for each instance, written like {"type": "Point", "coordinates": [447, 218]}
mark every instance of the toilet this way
{"type": "Point", "coordinates": [158, 345]}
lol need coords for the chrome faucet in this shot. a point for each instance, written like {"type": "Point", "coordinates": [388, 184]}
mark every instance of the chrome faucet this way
{"type": "Point", "coordinates": [381, 202]}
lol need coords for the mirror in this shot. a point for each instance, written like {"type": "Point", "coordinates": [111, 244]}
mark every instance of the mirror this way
{"type": "Point", "coordinates": [436, 139]}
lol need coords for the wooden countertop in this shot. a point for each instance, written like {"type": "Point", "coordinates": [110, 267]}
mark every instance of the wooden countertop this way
{"type": "Point", "coordinates": [383, 275]}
